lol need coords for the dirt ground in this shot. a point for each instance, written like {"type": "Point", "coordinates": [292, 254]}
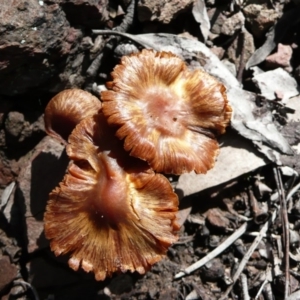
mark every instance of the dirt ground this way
{"type": "Point", "coordinates": [241, 220]}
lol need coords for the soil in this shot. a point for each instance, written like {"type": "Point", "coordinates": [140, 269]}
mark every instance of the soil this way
{"type": "Point", "coordinates": [49, 46]}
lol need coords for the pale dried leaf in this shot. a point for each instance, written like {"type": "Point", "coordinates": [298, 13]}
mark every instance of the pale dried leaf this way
{"type": "Point", "coordinates": [275, 35]}
{"type": "Point", "coordinates": [200, 14]}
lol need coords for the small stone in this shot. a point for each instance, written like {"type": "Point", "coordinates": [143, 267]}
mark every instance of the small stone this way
{"type": "Point", "coordinates": [8, 272]}
{"type": "Point", "coordinates": [281, 58]}
{"type": "Point", "coordinates": [260, 19]}
{"type": "Point", "coordinates": [279, 283]}
{"type": "Point", "coordinates": [255, 255]}
{"type": "Point", "coordinates": [87, 43]}
{"type": "Point", "coordinates": [213, 271]}
{"type": "Point", "coordinates": [261, 264]}
{"type": "Point", "coordinates": [240, 247]}
{"type": "Point", "coordinates": [233, 24]}
{"type": "Point", "coordinates": [214, 241]}
{"type": "Point", "coordinates": [8, 169]}
{"type": "Point", "coordinates": [218, 51]}
{"type": "Point", "coordinates": [216, 19]}
{"type": "Point", "coordinates": [168, 293]}
{"type": "Point", "coordinates": [216, 218]}
{"type": "Point", "coordinates": [294, 239]}
{"type": "Point", "coordinates": [14, 123]}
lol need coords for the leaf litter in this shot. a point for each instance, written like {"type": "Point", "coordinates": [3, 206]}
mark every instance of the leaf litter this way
{"type": "Point", "coordinates": [252, 173]}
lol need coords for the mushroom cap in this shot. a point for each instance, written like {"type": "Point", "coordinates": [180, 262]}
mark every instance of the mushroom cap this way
{"type": "Point", "coordinates": [166, 114]}
{"type": "Point", "coordinates": [111, 212]}
{"type": "Point", "coordinates": [66, 109]}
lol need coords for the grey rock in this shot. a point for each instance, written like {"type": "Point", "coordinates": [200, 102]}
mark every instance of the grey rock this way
{"type": "Point", "coordinates": [281, 58]}
{"type": "Point", "coordinates": [217, 19]}
{"type": "Point", "coordinates": [39, 44]}
{"type": "Point", "coordinates": [162, 11]}
{"type": "Point", "coordinates": [41, 172]}
{"type": "Point", "coordinates": [233, 24]}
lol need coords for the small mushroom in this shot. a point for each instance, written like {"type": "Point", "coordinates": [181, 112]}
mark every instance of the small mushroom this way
{"type": "Point", "coordinates": [166, 114]}
{"type": "Point", "coordinates": [65, 110]}
{"type": "Point", "coordinates": [112, 212]}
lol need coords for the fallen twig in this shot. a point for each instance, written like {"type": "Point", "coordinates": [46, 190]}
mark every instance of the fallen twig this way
{"type": "Point", "coordinates": [266, 281]}
{"type": "Point", "coordinates": [245, 287]}
{"type": "Point", "coordinates": [128, 36]}
{"type": "Point", "coordinates": [249, 253]}
{"type": "Point", "coordinates": [241, 68]}
{"type": "Point", "coordinates": [110, 44]}
{"type": "Point", "coordinates": [286, 235]}
{"type": "Point", "coordinates": [230, 240]}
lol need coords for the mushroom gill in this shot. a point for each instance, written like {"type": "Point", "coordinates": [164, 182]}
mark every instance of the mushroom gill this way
{"type": "Point", "coordinates": [111, 213]}
{"type": "Point", "coordinates": [166, 114]}
{"type": "Point", "coordinates": [66, 109]}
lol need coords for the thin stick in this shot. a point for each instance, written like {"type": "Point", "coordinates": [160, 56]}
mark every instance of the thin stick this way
{"type": "Point", "coordinates": [122, 34]}
{"type": "Point", "coordinates": [230, 240]}
{"type": "Point", "coordinates": [261, 289]}
{"type": "Point", "coordinates": [247, 256]}
{"type": "Point", "coordinates": [111, 43]}
{"type": "Point", "coordinates": [266, 281]}
{"type": "Point", "coordinates": [128, 19]}
{"type": "Point", "coordinates": [245, 287]}
{"type": "Point", "coordinates": [286, 234]}
{"type": "Point", "coordinates": [268, 293]}
{"type": "Point", "coordinates": [241, 68]}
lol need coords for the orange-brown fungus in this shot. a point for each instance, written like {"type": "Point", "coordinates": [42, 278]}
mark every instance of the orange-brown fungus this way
{"type": "Point", "coordinates": [111, 212]}
{"type": "Point", "coordinates": [66, 110]}
{"type": "Point", "coordinates": [166, 114]}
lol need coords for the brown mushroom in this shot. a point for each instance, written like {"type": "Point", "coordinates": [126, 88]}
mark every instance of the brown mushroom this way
{"type": "Point", "coordinates": [111, 212]}
{"type": "Point", "coordinates": [66, 110]}
{"type": "Point", "coordinates": [166, 114]}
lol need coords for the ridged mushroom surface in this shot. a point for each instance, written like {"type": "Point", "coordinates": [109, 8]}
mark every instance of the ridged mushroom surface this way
{"type": "Point", "coordinates": [66, 109]}
{"type": "Point", "coordinates": [166, 114]}
{"type": "Point", "coordinates": [111, 213]}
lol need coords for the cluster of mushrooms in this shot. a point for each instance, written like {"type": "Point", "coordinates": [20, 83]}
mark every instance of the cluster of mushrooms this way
{"type": "Point", "coordinates": [115, 211]}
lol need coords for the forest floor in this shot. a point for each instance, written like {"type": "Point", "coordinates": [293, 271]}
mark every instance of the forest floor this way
{"type": "Point", "coordinates": [240, 221]}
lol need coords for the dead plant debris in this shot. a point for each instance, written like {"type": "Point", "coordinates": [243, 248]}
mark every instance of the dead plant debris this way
{"type": "Point", "coordinates": [240, 222]}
